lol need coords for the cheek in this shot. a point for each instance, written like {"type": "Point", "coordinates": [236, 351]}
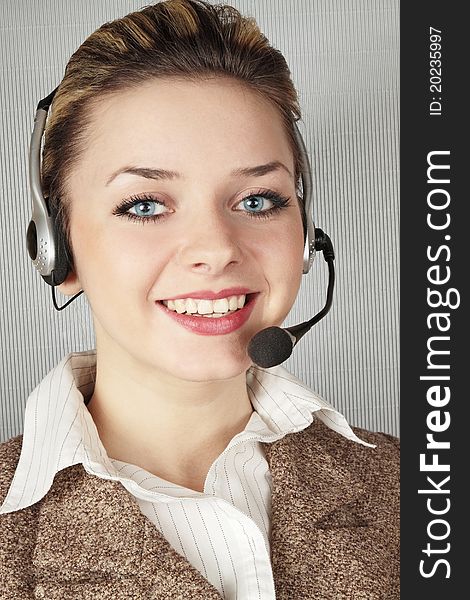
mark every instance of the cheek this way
{"type": "Point", "coordinates": [114, 258]}
{"type": "Point", "coordinates": [289, 272]}
{"type": "Point", "coordinates": [283, 263]}
{"type": "Point", "coordinates": [290, 241]}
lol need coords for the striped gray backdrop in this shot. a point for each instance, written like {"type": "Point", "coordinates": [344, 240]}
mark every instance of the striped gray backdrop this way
{"type": "Point", "coordinates": [344, 58]}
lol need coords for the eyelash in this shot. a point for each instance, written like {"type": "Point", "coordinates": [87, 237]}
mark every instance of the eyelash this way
{"type": "Point", "coordinates": [122, 209]}
{"type": "Point", "coordinates": [280, 202]}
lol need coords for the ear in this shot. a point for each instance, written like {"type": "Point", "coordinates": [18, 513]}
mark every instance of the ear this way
{"type": "Point", "coordinates": [71, 285]}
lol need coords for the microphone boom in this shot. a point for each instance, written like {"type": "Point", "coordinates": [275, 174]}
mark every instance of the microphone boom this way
{"type": "Point", "coordinates": [273, 345]}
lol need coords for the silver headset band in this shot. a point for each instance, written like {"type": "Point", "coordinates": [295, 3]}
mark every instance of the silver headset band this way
{"type": "Point", "coordinates": [45, 256]}
{"type": "Point", "coordinates": [307, 190]}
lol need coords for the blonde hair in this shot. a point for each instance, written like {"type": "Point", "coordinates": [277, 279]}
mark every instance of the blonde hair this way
{"type": "Point", "coordinates": [185, 39]}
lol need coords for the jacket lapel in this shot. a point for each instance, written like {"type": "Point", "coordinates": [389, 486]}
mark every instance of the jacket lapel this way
{"type": "Point", "coordinates": [90, 533]}
{"type": "Point", "coordinates": [323, 545]}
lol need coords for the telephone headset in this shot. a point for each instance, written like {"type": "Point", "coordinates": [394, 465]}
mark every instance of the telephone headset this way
{"type": "Point", "coordinates": [48, 248]}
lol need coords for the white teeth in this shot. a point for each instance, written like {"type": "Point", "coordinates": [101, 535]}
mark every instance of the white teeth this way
{"type": "Point", "coordinates": [180, 306]}
{"type": "Point", "coordinates": [221, 305]}
{"type": "Point", "coordinates": [191, 306]}
{"type": "Point", "coordinates": [205, 307]}
{"type": "Point", "coordinates": [212, 308]}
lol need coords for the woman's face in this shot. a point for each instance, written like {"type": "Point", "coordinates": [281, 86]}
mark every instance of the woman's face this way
{"type": "Point", "coordinates": [184, 201]}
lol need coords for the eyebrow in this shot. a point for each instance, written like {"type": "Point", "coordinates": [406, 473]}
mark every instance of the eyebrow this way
{"type": "Point", "coordinates": [159, 174]}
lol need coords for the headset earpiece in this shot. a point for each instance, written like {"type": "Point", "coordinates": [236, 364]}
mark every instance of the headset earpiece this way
{"type": "Point", "coordinates": [306, 178]}
{"type": "Point", "coordinates": [63, 258]}
{"type": "Point", "coordinates": [49, 250]}
{"type": "Point", "coordinates": [309, 250]}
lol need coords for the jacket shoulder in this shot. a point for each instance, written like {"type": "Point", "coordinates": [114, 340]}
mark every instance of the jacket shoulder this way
{"type": "Point", "coordinates": [17, 531]}
{"type": "Point", "coordinates": [9, 456]}
{"type": "Point", "coordinates": [376, 470]}
{"type": "Point", "coordinates": [381, 462]}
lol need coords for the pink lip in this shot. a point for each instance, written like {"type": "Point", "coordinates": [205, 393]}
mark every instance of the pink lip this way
{"type": "Point", "coordinates": [209, 295]}
{"type": "Point", "coordinates": [213, 326]}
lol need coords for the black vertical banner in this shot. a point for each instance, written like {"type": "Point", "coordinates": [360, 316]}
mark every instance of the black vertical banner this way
{"type": "Point", "coordinates": [435, 268]}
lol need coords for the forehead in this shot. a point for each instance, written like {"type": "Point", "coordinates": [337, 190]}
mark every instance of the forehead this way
{"type": "Point", "coordinates": [185, 125]}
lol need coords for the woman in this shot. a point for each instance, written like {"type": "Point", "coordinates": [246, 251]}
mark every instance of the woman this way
{"type": "Point", "coordinates": [166, 464]}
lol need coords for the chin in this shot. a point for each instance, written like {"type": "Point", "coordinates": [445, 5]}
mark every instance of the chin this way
{"type": "Point", "coordinates": [207, 368]}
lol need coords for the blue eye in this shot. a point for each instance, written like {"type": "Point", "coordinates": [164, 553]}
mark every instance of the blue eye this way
{"type": "Point", "coordinates": [141, 209]}
{"type": "Point", "coordinates": [145, 208]}
{"type": "Point", "coordinates": [256, 204]}
{"type": "Point", "coordinates": [263, 204]}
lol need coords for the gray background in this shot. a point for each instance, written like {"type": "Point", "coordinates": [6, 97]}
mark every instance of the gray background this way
{"type": "Point", "coordinates": [344, 58]}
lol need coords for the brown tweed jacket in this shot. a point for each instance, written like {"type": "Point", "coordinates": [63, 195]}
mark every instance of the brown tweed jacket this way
{"type": "Point", "coordinates": [335, 532]}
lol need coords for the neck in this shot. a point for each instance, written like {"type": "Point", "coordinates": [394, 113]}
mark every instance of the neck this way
{"type": "Point", "coordinates": [173, 428]}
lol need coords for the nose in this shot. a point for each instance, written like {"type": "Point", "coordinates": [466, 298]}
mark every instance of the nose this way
{"type": "Point", "coordinates": [210, 244]}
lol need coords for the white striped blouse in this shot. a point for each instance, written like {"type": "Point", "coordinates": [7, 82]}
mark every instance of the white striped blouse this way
{"type": "Point", "coordinates": [223, 532]}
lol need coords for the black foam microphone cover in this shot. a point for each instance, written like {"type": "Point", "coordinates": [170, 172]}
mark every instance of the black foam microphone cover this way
{"type": "Point", "coordinates": [270, 347]}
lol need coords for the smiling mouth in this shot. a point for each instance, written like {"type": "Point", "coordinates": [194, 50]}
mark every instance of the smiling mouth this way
{"type": "Point", "coordinates": [202, 307]}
